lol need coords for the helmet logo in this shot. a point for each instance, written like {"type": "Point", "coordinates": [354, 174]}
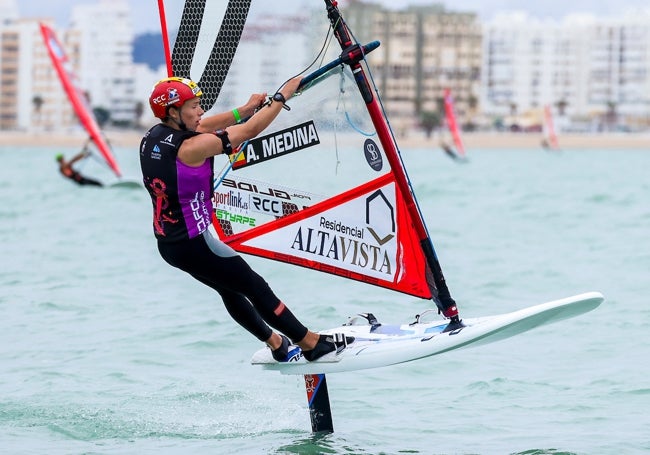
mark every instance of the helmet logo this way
{"type": "Point", "coordinates": [172, 96]}
{"type": "Point", "coordinates": [172, 91]}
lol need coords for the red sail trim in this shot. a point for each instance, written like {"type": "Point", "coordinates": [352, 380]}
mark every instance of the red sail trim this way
{"type": "Point", "coordinates": [410, 262]}
{"type": "Point", "coordinates": [452, 124]}
{"type": "Point", "coordinates": [76, 95]}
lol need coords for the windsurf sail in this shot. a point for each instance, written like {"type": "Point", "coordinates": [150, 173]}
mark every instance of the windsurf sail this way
{"type": "Point", "coordinates": [452, 125]}
{"type": "Point", "coordinates": [324, 187]}
{"type": "Point", "coordinates": [77, 97]}
{"type": "Point", "coordinates": [550, 137]}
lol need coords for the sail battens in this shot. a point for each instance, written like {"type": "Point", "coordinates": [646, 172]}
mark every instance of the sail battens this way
{"type": "Point", "coordinates": [193, 29]}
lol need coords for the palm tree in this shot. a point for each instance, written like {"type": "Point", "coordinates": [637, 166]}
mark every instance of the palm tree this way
{"type": "Point", "coordinates": [102, 115]}
{"type": "Point", "coordinates": [430, 120]}
{"type": "Point", "coordinates": [37, 102]}
{"type": "Point", "coordinates": [611, 116]}
{"type": "Point", "coordinates": [138, 111]}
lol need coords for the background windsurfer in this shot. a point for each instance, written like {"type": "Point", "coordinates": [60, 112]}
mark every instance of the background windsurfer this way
{"type": "Point", "coordinates": [66, 169]}
{"type": "Point", "coordinates": [447, 149]}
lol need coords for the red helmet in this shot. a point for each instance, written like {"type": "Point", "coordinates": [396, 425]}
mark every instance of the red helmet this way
{"type": "Point", "coordinates": [172, 91]}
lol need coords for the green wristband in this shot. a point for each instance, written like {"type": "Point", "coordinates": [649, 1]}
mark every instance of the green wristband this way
{"type": "Point", "coordinates": [235, 112]}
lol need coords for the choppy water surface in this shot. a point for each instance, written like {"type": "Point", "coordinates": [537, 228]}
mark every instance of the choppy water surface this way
{"type": "Point", "coordinates": [106, 349]}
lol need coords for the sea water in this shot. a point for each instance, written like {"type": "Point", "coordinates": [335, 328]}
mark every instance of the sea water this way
{"type": "Point", "coordinates": [105, 349]}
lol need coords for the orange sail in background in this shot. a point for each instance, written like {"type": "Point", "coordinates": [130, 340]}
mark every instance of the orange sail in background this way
{"type": "Point", "coordinates": [451, 123]}
{"type": "Point", "coordinates": [550, 137]}
{"type": "Point", "coordinates": [77, 96]}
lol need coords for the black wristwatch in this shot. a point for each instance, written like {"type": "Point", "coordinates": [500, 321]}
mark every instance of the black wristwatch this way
{"type": "Point", "coordinates": [279, 97]}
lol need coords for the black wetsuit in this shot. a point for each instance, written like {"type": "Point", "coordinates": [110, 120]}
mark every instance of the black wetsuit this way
{"type": "Point", "coordinates": [181, 198]}
{"type": "Point", "coordinates": [81, 180]}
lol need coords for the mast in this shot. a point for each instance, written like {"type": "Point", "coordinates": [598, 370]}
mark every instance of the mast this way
{"type": "Point", "coordinates": [165, 37]}
{"type": "Point", "coordinates": [439, 291]}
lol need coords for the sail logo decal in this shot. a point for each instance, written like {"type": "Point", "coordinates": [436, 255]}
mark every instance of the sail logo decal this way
{"type": "Point", "coordinates": [233, 206]}
{"type": "Point", "coordinates": [270, 206]}
{"type": "Point", "coordinates": [255, 201]}
{"type": "Point", "coordinates": [235, 217]}
{"type": "Point", "coordinates": [232, 199]}
{"type": "Point", "coordinates": [277, 144]}
{"type": "Point", "coordinates": [338, 237]}
{"type": "Point", "coordinates": [249, 202]}
{"type": "Point", "coordinates": [373, 155]}
{"type": "Point", "coordinates": [378, 206]}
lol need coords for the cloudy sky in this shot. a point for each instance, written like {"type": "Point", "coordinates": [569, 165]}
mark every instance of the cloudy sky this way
{"type": "Point", "coordinates": [145, 12]}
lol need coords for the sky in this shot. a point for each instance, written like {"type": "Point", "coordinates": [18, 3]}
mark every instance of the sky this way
{"type": "Point", "coordinates": [145, 12]}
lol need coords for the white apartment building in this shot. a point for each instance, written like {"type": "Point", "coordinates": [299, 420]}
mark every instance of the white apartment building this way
{"type": "Point", "coordinates": [98, 45]}
{"type": "Point", "coordinates": [590, 71]}
{"type": "Point", "coordinates": [593, 72]}
{"type": "Point", "coordinates": [101, 39]}
{"type": "Point", "coordinates": [424, 50]}
{"type": "Point", "coordinates": [619, 65]}
{"type": "Point", "coordinates": [31, 95]}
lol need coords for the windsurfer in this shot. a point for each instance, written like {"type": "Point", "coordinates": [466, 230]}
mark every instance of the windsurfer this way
{"type": "Point", "coordinates": [66, 169]}
{"type": "Point", "coordinates": [176, 158]}
{"type": "Point", "coordinates": [447, 149]}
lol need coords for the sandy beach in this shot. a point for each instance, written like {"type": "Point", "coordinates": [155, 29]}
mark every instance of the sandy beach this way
{"type": "Point", "coordinates": [497, 140]}
{"type": "Point", "coordinates": [481, 140]}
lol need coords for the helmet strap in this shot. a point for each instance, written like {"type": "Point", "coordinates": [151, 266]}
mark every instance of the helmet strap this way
{"type": "Point", "coordinates": [179, 122]}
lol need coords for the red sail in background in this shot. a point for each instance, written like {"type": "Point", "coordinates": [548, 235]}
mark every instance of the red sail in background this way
{"type": "Point", "coordinates": [451, 122]}
{"type": "Point", "coordinates": [76, 95]}
{"type": "Point", "coordinates": [549, 129]}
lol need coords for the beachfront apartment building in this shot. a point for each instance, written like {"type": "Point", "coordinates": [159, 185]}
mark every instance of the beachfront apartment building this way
{"type": "Point", "coordinates": [100, 37]}
{"type": "Point", "coordinates": [424, 50]}
{"type": "Point", "coordinates": [31, 96]}
{"type": "Point", "coordinates": [594, 73]}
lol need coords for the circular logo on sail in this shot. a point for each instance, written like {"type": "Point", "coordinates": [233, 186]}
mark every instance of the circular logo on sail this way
{"type": "Point", "coordinates": [373, 154]}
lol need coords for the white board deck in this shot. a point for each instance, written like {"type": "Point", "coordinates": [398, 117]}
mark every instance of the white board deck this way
{"type": "Point", "coordinates": [124, 183]}
{"type": "Point", "coordinates": [392, 344]}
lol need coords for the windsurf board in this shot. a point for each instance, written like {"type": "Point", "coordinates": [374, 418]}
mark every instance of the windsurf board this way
{"type": "Point", "coordinates": [125, 183]}
{"type": "Point", "coordinates": [378, 345]}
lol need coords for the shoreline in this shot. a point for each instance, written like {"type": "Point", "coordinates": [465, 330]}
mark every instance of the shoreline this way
{"type": "Point", "coordinates": [479, 140]}
{"type": "Point", "coordinates": [498, 140]}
